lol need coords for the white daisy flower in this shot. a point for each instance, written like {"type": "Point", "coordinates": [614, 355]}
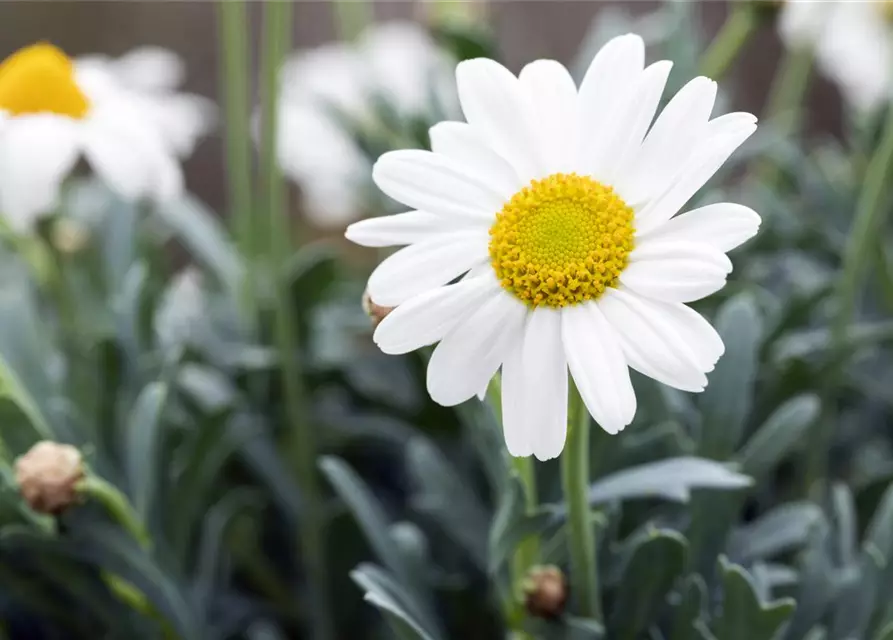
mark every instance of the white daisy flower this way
{"type": "Point", "coordinates": [328, 89]}
{"type": "Point", "coordinates": [853, 44]}
{"type": "Point", "coordinates": [152, 76]}
{"type": "Point", "coordinates": [54, 111]}
{"type": "Point", "coordinates": [555, 206]}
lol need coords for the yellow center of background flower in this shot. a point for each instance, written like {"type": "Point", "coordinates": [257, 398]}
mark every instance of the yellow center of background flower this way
{"type": "Point", "coordinates": [40, 79]}
{"type": "Point", "coordinates": [561, 240]}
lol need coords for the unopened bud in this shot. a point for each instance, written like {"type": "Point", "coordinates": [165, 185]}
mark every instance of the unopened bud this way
{"type": "Point", "coordinates": [545, 592]}
{"type": "Point", "coordinates": [69, 236]}
{"type": "Point", "coordinates": [376, 312]}
{"type": "Point", "coordinates": [48, 475]}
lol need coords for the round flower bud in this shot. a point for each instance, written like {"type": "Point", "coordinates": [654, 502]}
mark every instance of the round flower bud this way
{"type": "Point", "coordinates": [545, 592]}
{"type": "Point", "coordinates": [47, 476]}
{"type": "Point", "coordinates": [376, 312]}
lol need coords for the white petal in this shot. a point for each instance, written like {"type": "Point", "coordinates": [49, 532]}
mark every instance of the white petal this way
{"type": "Point", "coordinates": [552, 95]}
{"type": "Point", "coordinates": [429, 316]}
{"type": "Point", "coordinates": [36, 154]}
{"type": "Point", "coordinates": [605, 96]}
{"type": "Point", "coordinates": [462, 144]}
{"type": "Point", "coordinates": [678, 128]}
{"type": "Point", "coordinates": [469, 355]}
{"type": "Point", "coordinates": [517, 430]}
{"type": "Point", "coordinates": [545, 377]}
{"type": "Point", "coordinates": [723, 226]}
{"type": "Point", "coordinates": [649, 344]}
{"type": "Point", "coordinates": [150, 69]}
{"type": "Point", "coordinates": [675, 271]}
{"type": "Point", "coordinates": [598, 366]}
{"type": "Point", "coordinates": [698, 335]}
{"type": "Point", "coordinates": [401, 229]}
{"type": "Point", "coordinates": [435, 183]}
{"type": "Point", "coordinates": [645, 101]}
{"type": "Point", "coordinates": [495, 105]}
{"type": "Point", "coordinates": [426, 265]}
{"type": "Point", "coordinates": [127, 156]}
{"type": "Point", "coordinates": [724, 135]}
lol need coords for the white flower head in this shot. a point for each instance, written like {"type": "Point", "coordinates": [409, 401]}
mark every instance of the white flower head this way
{"type": "Point", "coordinates": [328, 89]}
{"type": "Point", "coordinates": [53, 112]}
{"type": "Point", "coordinates": [555, 207]}
{"type": "Point", "coordinates": [853, 45]}
{"type": "Point", "coordinates": [152, 77]}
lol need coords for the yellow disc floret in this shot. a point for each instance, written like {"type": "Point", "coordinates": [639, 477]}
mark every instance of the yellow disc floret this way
{"type": "Point", "coordinates": [40, 79]}
{"type": "Point", "coordinates": [561, 240]}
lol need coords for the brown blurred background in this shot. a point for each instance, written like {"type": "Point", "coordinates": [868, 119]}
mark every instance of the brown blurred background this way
{"type": "Point", "coordinates": [525, 29]}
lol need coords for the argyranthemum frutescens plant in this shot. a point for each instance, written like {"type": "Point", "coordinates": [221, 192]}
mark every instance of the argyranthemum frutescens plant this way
{"type": "Point", "coordinates": [190, 506]}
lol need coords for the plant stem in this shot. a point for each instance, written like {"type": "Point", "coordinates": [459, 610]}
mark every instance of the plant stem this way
{"type": "Point", "coordinates": [351, 18]}
{"type": "Point", "coordinates": [868, 222]}
{"type": "Point", "coordinates": [527, 553]}
{"type": "Point", "coordinates": [788, 87]}
{"type": "Point", "coordinates": [783, 105]}
{"type": "Point", "coordinates": [581, 533]}
{"type": "Point", "coordinates": [233, 23]}
{"type": "Point", "coordinates": [725, 47]}
{"type": "Point", "coordinates": [117, 505]}
{"type": "Point", "coordinates": [301, 437]}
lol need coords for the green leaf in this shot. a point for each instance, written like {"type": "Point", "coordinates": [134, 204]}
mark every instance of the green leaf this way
{"type": "Point", "coordinates": [671, 479]}
{"type": "Point", "coordinates": [511, 525]}
{"type": "Point", "coordinates": [398, 606]}
{"type": "Point", "coordinates": [312, 271]}
{"type": "Point", "coordinates": [743, 616]}
{"type": "Point", "coordinates": [844, 510]}
{"type": "Point", "coordinates": [658, 560]}
{"type": "Point", "coordinates": [367, 510]}
{"type": "Point", "coordinates": [778, 436]}
{"type": "Point", "coordinates": [886, 633]}
{"type": "Point", "coordinates": [817, 341]}
{"type": "Point", "coordinates": [880, 530]}
{"type": "Point", "coordinates": [25, 361]}
{"type": "Point", "coordinates": [780, 530]}
{"type": "Point", "coordinates": [143, 441]}
{"type": "Point", "coordinates": [205, 238]}
{"type": "Point", "coordinates": [858, 593]}
{"type": "Point", "coordinates": [582, 629]}
{"type": "Point", "coordinates": [444, 495]}
{"type": "Point", "coordinates": [726, 402]}
{"type": "Point", "coordinates": [689, 609]}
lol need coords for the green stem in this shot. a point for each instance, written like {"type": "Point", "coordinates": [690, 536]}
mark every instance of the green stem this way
{"type": "Point", "coordinates": [301, 444]}
{"type": "Point", "coordinates": [725, 47]}
{"type": "Point", "coordinates": [117, 505]}
{"type": "Point", "coordinates": [581, 533]}
{"type": "Point", "coordinates": [783, 105]}
{"type": "Point", "coordinates": [528, 551]}
{"type": "Point", "coordinates": [233, 23]}
{"type": "Point", "coordinates": [788, 87]}
{"type": "Point", "coordinates": [351, 18]}
{"type": "Point", "coordinates": [867, 225]}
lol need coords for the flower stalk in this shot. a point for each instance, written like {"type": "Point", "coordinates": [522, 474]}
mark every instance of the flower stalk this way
{"type": "Point", "coordinates": [581, 532]}
{"type": "Point", "coordinates": [233, 24]}
{"type": "Point", "coordinates": [301, 443]}
{"type": "Point", "coordinates": [733, 35]}
{"type": "Point", "coordinates": [858, 253]}
{"type": "Point", "coordinates": [351, 18]}
{"type": "Point", "coordinates": [117, 505]}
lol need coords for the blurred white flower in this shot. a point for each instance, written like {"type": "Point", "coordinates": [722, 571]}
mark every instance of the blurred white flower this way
{"type": "Point", "coordinates": [54, 110]}
{"type": "Point", "coordinates": [152, 76]}
{"type": "Point", "coordinates": [330, 89]}
{"type": "Point", "coordinates": [555, 208]}
{"type": "Point", "coordinates": [853, 45]}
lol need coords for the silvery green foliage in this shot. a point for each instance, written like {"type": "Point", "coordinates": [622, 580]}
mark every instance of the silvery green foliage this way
{"type": "Point", "coordinates": [705, 529]}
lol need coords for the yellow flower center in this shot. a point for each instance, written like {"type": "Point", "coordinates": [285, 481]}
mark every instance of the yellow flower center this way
{"type": "Point", "coordinates": [40, 79]}
{"type": "Point", "coordinates": [561, 240]}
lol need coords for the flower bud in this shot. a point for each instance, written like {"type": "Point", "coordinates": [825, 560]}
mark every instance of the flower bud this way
{"type": "Point", "coordinates": [376, 312]}
{"type": "Point", "coordinates": [47, 476]}
{"type": "Point", "coordinates": [545, 591]}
